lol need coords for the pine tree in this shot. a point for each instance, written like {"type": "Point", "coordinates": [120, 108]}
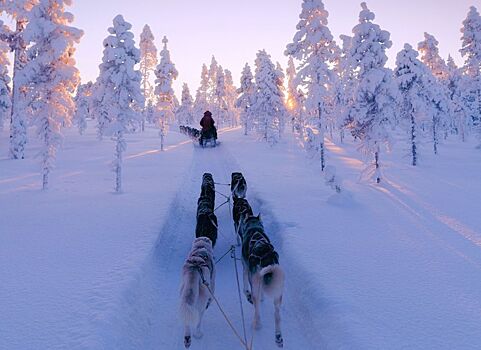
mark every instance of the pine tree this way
{"type": "Point", "coordinates": [83, 106]}
{"type": "Point", "coordinates": [410, 75]}
{"type": "Point", "coordinates": [268, 107]}
{"type": "Point", "coordinates": [148, 62]}
{"type": "Point", "coordinates": [246, 98]}
{"type": "Point", "coordinates": [455, 83]}
{"type": "Point", "coordinates": [231, 98]}
{"type": "Point", "coordinates": [5, 94]}
{"type": "Point", "coordinates": [212, 74]}
{"type": "Point", "coordinates": [293, 104]}
{"type": "Point", "coordinates": [376, 93]}
{"type": "Point", "coordinates": [280, 87]}
{"type": "Point", "coordinates": [18, 10]}
{"type": "Point", "coordinates": [471, 52]}
{"type": "Point", "coordinates": [201, 105]}
{"type": "Point", "coordinates": [119, 89]}
{"type": "Point", "coordinates": [220, 98]}
{"type": "Point", "coordinates": [184, 114]}
{"type": "Point", "coordinates": [50, 76]}
{"type": "Point", "coordinates": [314, 46]}
{"type": "Point", "coordinates": [166, 74]}
{"type": "Point", "coordinates": [428, 48]}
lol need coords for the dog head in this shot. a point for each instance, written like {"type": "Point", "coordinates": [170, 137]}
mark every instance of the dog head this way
{"type": "Point", "coordinates": [238, 185]}
{"type": "Point", "coordinates": [261, 253]}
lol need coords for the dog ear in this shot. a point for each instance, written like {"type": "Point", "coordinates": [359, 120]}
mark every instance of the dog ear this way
{"type": "Point", "coordinates": [259, 217]}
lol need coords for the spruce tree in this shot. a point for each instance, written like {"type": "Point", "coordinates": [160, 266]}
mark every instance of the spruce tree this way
{"type": "Point", "coordinates": [18, 10]}
{"type": "Point", "coordinates": [119, 89]}
{"type": "Point", "coordinates": [246, 98]}
{"type": "Point", "coordinates": [375, 95]}
{"type": "Point", "coordinates": [166, 74]}
{"type": "Point", "coordinates": [313, 45]}
{"type": "Point", "coordinates": [184, 113]}
{"type": "Point", "coordinates": [50, 77]}
{"type": "Point", "coordinates": [148, 63]}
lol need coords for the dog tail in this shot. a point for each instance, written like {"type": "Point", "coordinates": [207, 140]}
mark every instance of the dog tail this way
{"type": "Point", "coordinates": [272, 280]}
{"type": "Point", "coordinates": [189, 295]}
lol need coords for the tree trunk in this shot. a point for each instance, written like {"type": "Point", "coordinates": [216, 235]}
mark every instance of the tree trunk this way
{"type": "Point", "coordinates": [18, 125]}
{"type": "Point", "coordinates": [321, 138]}
{"type": "Point", "coordinates": [378, 173]}
{"type": "Point", "coordinates": [435, 135]}
{"type": "Point", "coordinates": [413, 140]}
{"type": "Point", "coordinates": [118, 162]}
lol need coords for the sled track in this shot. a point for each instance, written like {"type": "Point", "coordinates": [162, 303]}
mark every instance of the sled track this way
{"type": "Point", "coordinates": [150, 305]}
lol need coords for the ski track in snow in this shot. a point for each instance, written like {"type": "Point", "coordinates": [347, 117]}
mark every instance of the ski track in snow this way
{"type": "Point", "coordinates": [151, 302]}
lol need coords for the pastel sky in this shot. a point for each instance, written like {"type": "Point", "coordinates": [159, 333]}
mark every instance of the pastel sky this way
{"type": "Point", "coordinates": [235, 30]}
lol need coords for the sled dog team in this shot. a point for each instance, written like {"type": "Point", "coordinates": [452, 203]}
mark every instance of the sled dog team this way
{"type": "Point", "coordinates": [193, 133]}
{"type": "Point", "coordinates": [262, 272]}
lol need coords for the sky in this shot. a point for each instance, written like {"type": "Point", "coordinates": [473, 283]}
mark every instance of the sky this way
{"type": "Point", "coordinates": [234, 31]}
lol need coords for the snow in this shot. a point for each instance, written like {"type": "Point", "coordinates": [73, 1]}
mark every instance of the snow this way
{"type": "Point", "coordinates": [388, 266]}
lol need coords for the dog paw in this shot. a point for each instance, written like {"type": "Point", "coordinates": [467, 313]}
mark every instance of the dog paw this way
{"type": "Point", "coordinates": [248, 296]}
{"type": "Point", "coordinates": [198, 334]}
{"type": "Point", "coordinates": [187, 342]}
{"type": "Point", "coordinates": [279, 340]}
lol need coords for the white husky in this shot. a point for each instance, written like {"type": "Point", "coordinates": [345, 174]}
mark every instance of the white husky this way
{"type": "Point", "coordinates": [195, 296]}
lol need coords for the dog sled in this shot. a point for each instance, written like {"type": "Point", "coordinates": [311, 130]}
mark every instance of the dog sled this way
{"type": "Point", "coordinates": [205, 139]}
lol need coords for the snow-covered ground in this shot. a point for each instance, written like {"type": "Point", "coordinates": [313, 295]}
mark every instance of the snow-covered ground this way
{"type": "Point", "coordinates": [389, 266]}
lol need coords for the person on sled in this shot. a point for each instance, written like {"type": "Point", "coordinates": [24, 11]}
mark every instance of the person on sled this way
{"type": "Point", "coordinates": [208, 128]}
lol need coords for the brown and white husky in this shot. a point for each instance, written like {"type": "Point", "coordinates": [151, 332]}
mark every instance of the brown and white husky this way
{"type": "Point", "coordinates": [198, 276]}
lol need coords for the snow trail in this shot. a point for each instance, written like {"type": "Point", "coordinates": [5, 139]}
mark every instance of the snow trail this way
{"type": "Point", "coordinates": [151, 303]}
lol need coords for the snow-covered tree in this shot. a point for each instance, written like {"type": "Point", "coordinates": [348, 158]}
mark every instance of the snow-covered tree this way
{"type": "Point", "coordinates": [5, 95]}
{"type": "Point", "coordinates": [268, 107]}
{"type": "Point", "coordinates": [184, 113]}
{"type": "Point", "coordinates": [18, 10]}
{"type": "Point", "coordinates": [428, 49]}
{"type": "Point", "coordinates": [345, 85]}
{"type": "Point", "coordinates": [457, 94]}
{"type": "Point", "coordinates": [50, 76]}
{"type": "Point", "coordinates": [212, 74]}
{"type": "Point", "coordinates": [148, 62]}
{"type": "Point", "coordinates": [220, 108]}
{"type": "Point", "coordinates": [314, 46]}
{"type": "Point", "coordinates": [82, 106]}
{"type": "Point", "coordinates": [376, 93]}
{"type": "Point", "coordinates": [293, 104]}
{"type": "Point", "coordinates": [410, 75]}
{"type": "Point", "coordinates": [246, 97]}
{"type": "Point", "coordinates": [280, 86]}
{"type": "Point", "coordinates": [201, 105]}
{"type": "Point", "coordinates": [471, 52]}
{"type": "Point", "coordinates": [119, 88]}
{"type": "Point", "coordinates": [166, 74]}
{"type": "Point", "coordinates": [231, 98]}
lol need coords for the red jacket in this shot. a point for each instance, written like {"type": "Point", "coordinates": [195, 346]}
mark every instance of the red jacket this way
{"type": "Point", "coordinates": [207, 122]}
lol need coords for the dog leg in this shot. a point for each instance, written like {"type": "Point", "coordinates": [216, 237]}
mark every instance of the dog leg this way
{"type": "Point", "coordinates": [277, 314]}
{"type": "Point", "coordinates": [198, 333]}
{"type": "Point", "coordinates": [187, 337]}
{"type": "Point", "coordinates": [256, 300]}
{"type": "Point", "coordinates": [246, 282]}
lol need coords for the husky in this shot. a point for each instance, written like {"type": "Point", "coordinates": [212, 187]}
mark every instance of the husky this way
{"type": "Point", "coordinates": [206, 219]}
{"type": "Point", "coordinates": [262, 272]}
{"type": "Point", "coordinates": [198, 275]}
{"type": "Point", "coordinates": [238, 185]}
{"type": "Point", "coordinates": [240, 210]}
